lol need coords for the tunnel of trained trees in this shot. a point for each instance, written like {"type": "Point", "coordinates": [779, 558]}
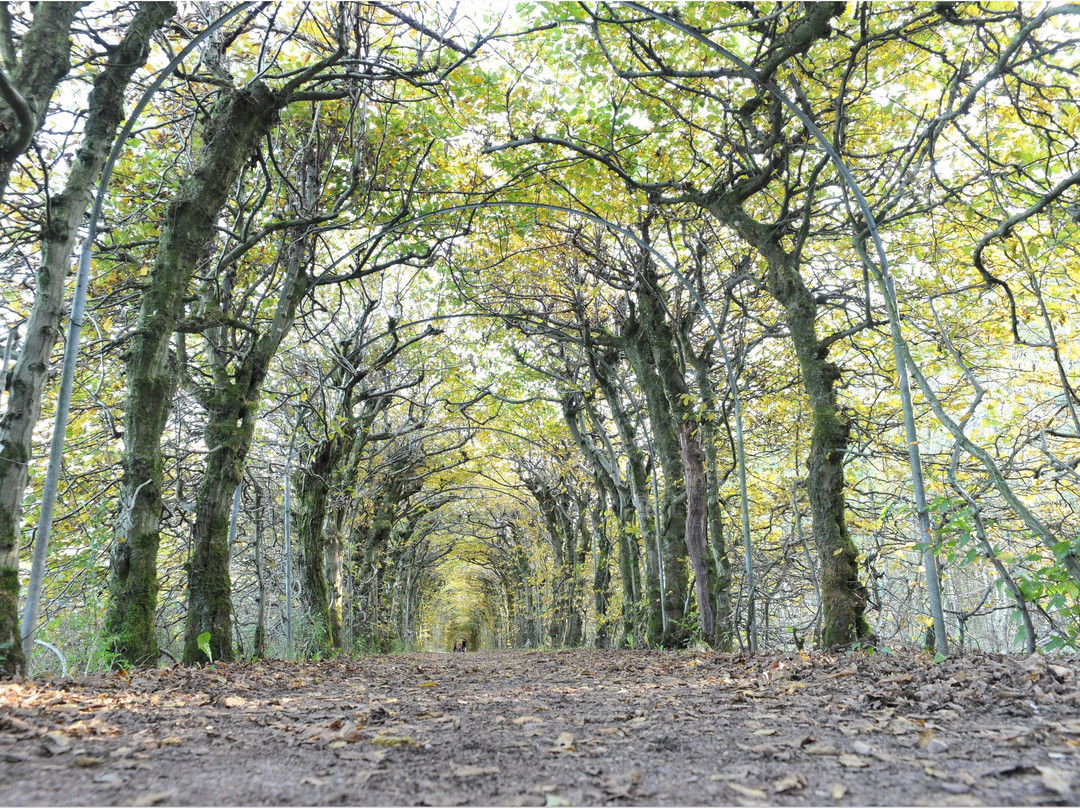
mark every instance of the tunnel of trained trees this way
{"type": "Point", "coordinates": [740, 325]}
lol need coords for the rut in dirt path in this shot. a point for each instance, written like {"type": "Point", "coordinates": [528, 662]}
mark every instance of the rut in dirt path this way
{"type": "Point", "coordinates": [553, 728]}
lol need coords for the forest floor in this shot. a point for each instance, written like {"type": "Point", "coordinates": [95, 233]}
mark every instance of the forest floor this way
{"type": "Point", "coordinates": [552, 729]}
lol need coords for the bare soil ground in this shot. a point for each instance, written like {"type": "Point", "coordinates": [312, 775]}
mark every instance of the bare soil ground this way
{"type": "Point", "coordinates": [553, 728]}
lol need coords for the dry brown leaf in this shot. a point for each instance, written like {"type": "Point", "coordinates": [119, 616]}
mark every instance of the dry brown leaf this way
{"type": "Point", "coordinates": [837, 790]}
{"type": "Point", "coordinates": [791, 782]}
{"type": "Point", "coordinates": [852, 761]}
{"type": "Point", "coordinates": [473, 771]}
{"type": "Point", "coordinates": [925, 736]}
{"type": "Point", "coordinates": [148, 798]}
{"type": "Point", "coordinates": [564, 743]}
{"type": "Point", "coordinates": [521, 720]}
{"type": "Point", "coordinates": [747, 791]}
{"type": "Point", "coordinates": [1056, 780]}
{"type": "Point", "coordinates": [766, 732]}
{"type": "Point", "coordinates": [822, 749]}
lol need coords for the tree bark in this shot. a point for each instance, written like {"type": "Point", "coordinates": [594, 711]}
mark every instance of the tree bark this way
{"type": "Point", "coordinates": [641, 345]}
{"type": "Point", "coordinates": [105, 111]}
{"type": "Point", "coordinates": [238, 122]}
{"type": "Point", "coordinates": [46, 59]}
{"type": "Point", "coordinates": [232, 413]}
{"type": "Point", "coordinates": [693, 459]}
{"type": "Point", "coordinates": [843, 594]}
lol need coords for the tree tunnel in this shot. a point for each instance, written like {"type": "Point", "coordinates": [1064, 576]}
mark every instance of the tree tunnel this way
{"type": "Point", "coordinates": [409, 330]}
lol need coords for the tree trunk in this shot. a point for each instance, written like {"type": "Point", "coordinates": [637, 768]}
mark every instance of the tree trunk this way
{"type": "Point", "coordinates": [46, 59]}
{"type": "Point", "coordinates": [232, 412]}
{"type": "Point", "coordinates": [312, 493]}
{"type": "Point", "coordinates": [259, 646]}
{"type": "Point", "coordinates": [724, 616]}
{"type": "Point", "coordinates": [67, 211]}
{"type": "Point", "coordinates": [843, 594]}
{"type": "Point", "coordinates": [238, 122]}
{"type": "Point", "coordinates": [629, 551]}
{"type": "Point", "coordinates": [696, 543]}
{"type": "Point", "coordinates": [672, 631]}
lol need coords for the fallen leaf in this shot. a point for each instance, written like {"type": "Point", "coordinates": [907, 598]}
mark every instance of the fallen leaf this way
{"type": "Point", "coordinates": [1056, 780]}
{"type": "Point", "coordinates": [59, 739]}
{"type": "Point", "coordinates": [747, 791]}
{"type": "Point", "coordinates": [791, 782]}
{"type": "Point", "coordinates": [109, 779]}
{"type": "Point", "coordinates": [88, 761]}
{"type": "Point", "coordinates": [925, 736]}
{"type": "Point", "coordinates": [852, 762]}
{"type": "Point", "coordinates": [837, 790]}
{"type": "Point", "coordinates": [564, 743]}
{"type": "Point", "coordinates": [473, 771]}
{"type": "Point", "coordinates": [521, 720]}
{"type": "Point", "coordinates": [389, 740]}
{"type": "Point", "coordinates": [822, 749]}
{"type": "Point", "coordinates": [766, 732]}
{"type": "Point", "coordinates": [555, 801]}
{"type": "Point", "coordinates": [148, 798]}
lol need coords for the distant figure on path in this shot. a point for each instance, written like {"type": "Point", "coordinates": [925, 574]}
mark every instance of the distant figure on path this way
{"type": "Point", "coordinates": [463, 646]}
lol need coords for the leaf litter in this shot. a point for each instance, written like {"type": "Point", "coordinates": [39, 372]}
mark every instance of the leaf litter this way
{"type": "Point", "coordinates": [553, 728]}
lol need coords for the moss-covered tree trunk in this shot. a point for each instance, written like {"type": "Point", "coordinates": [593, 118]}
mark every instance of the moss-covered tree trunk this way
{"type": "Point", "coordinates": [668, 630]}
{"type": "Point", "coordinates": [44, 60]}
{"type": "Point", "coordinates": [312, 494]}
{"type": "Point", "coordinates": [105, 111]}
{"type": "Point", "coordinates": [693, 457]}
{"type": "Point", "coordinates": [232, 409]}
{"type": "Point", "coordinates": [602, 574]}
{"type": "Point", "coordinates": [238, 122]}
{"type": "Point", "coordinates": [843, 594]}
{"type": "Point", "coordinates": [695, 536]}
{"type": "Point", "coordinates": [724, 615]}
{"type": "Point", "coordinates": [637, 479]}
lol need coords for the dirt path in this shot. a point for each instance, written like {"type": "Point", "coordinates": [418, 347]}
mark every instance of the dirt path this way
{"type": "Point", "coordinates": [553, 728]}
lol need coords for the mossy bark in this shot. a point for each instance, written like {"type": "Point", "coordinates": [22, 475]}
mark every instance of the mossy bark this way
{"type": "Point", "coordinates": [602, 574]}
{"type": "Point", "coordinates": [312, 493]}
{"type": "Point", "coordinates": [640, 349]}
{"type": "Point", "coordinates": [720, 584]}
{"type": "Point", "coordinates": [693, 457]}
{"type": "Point", "coordinates": [232, 408]}
{"type": "Point", "coordinates": [238, 122]}
{"type": "Point", "coordinates": [209, 581]}
{"type": "Point", "coordinates": [637, 480]}
{"type": "Point", "coordinates": [45, 60]}
{"type": "Point", "coordinates": [843, 594]}
{"type": "Point", "coordinates": [105, 111]}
